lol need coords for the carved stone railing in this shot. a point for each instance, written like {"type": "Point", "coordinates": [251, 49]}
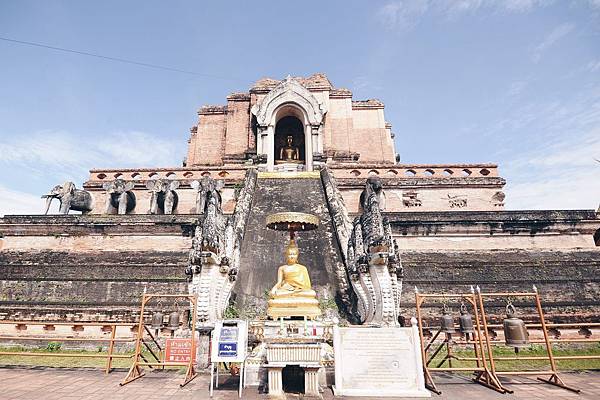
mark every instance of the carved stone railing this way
{"type": "Point", "coordinates": [214, 260]}
{"type": "Point", "coordinates": [415, 170]}
{"type": "Point", "coordinates": [142, 174]}
{"type": "Point", "coordinates": [339, 171]}
{"type": "Point", "coordinates": [371, 255]}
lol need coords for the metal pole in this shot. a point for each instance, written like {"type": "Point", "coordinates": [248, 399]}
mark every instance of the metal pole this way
{"type": "Point", "coordinates": [212, 378]}
{"type": "Point", "coordinates": [241, 381]}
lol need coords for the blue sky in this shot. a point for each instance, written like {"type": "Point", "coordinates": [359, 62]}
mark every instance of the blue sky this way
{"type": "Point", "coordinates": [514, 82]}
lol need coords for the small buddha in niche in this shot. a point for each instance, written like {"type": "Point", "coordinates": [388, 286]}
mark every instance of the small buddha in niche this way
{"type": "Point", "coordinates": [292, 295]}
{"type": "Point", "coordinates": [289, 152]}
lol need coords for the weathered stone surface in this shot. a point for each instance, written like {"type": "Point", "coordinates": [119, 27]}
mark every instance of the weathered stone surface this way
{"type": "Point", "coordinates": [102, 286]}
{"type": "Point", "coordinates": [214, 260]}
{"type": "Point", "coordinates": [262, 249]}
{"type": "Point", "coordinates": [568, 281]}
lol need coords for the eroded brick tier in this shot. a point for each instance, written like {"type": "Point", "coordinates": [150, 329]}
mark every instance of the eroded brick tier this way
{"type": "Point", "coordinates": [96, 267]}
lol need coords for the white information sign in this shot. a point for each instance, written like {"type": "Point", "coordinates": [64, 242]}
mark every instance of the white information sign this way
{"type": "Point", "coordinates": [378, 362]}
{"type": "Point", "coordinates": [229, 344]}
{"type": "Point", "coordinates": [229, 341]}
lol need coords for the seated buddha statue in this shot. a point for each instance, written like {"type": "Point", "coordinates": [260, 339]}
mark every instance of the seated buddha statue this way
{"type": "Point", "coordinates": [292, 295]}
{"type": "Point", "coordinates": [289, 153]}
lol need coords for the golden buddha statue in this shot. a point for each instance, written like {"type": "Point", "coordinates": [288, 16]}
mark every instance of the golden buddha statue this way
{"type": "Point", "coordinates": [292, 295]}
{"type": "Point", "coordinates": [289, 153]}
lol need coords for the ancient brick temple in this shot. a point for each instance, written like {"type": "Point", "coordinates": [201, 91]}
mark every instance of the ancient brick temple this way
{"type": "Point", "coordinates": [297, 144]}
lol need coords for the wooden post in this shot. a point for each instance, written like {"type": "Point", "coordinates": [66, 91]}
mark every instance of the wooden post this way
{"type": "Point", "coordinates": [554, 379]}
{"type": "Point", "coordinates": [110, 349]}
{"type": "Point", "coordinates": [135, 372]}
{"type": "Point", "coordinates": [428, 379]}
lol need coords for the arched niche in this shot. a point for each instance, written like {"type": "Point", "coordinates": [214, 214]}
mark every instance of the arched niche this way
{"type": "Point", "coordinates": [289, 135]}
{"type": "Point", "coordinates": [287, 102]}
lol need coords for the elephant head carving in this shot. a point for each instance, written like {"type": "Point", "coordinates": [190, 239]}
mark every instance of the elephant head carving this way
{"type": "Point", "coordinates": [164, 198]}
{"type": "Point", "coordinates": [70, 198]}
{"type": "Point", "coordinates": [208, 188]}
{"type": "Point", "coordinates": [119, 197]}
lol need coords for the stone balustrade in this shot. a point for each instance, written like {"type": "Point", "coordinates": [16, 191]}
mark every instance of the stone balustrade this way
{"type": "Point", "coordinates": [418, 171]}
{"type": "Point", "coordinates": [294, 353]}
{"type": "Point", "coordinates": [342, 171]}
{"type": "Point", "coordinates": [143, 174]}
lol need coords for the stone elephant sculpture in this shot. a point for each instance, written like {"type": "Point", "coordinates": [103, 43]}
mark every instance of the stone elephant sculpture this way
{"type": "Point", "coordinates": [207, 187]}
{"type": "Point", "coordinates": [70, 198]}
{"type": "Point", "coordinates": [163, 196]}
{"type": "Point", "coordinates": [119, 197]}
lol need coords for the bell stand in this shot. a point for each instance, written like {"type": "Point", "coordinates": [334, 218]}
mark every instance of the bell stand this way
{"type": "Point", "coordinates": [554, 378]}
{"type": "Point", "coordinates": [136, 371]}
{"type": "Point", "coordinates": [483, 375]}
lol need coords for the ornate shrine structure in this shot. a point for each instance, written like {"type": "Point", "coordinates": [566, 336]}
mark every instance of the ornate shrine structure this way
{"type": "Point", "coordinates": [300, 145]}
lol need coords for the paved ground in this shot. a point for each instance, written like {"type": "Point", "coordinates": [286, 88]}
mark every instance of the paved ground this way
{"type": "Point", "coordinates": [50, 384]}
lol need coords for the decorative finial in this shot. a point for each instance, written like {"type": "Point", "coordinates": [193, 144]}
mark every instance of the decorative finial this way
{"type": "Point", "coordinates": [478, 290]}
{"type": "Point", "coordinates": [472, 289]}
{"type": "Point", "coordinates": [535, 289]}
{"type": "Point", "coordinates": [416, 289]}
{"type": "Point", "coordinates": [288, 78]}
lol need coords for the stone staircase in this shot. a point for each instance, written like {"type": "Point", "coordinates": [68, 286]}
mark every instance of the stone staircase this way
{"type": "Point", "coordinates": [262, 249]}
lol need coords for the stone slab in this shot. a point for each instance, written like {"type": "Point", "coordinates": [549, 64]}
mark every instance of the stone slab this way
{"type": "Point", "coordinates": [378, 362]}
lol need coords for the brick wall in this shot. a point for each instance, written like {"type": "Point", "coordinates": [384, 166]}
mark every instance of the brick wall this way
{"type": "Point", "coordinates": [89, 286]}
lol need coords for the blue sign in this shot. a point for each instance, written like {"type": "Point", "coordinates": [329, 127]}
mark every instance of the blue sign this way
{"type": "Point", "coordinates": [227, 349]}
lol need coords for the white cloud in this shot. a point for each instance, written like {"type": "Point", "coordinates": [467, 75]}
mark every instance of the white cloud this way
{"type": "Point", "coordinates": [576, 189]}
{"type": "Point", "coordinates": [594, 66]}
{"type": "Point", "coordinates": [522, 6]}
{"type": "Point", "coordinates": [557, 176]}
{"type": "Point", "coordinates": [16, 202]}
{"type": "Point", "coordinates": [406, 14]}
{"type": "Point", "coordinates": [44, 159]}
{"type": "Point", "coordinates": [554, 36]}
{"type": "Point", "coordinates": [594, 3]}
{"type": "Point", "coordinates": [61, 151]}
{"type": "Point", "coordinates": [365, 83]}
{"type": "Point", "coordinates": [516, 88]}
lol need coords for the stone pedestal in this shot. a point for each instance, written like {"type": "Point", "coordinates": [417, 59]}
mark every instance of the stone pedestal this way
{"type": "Point", "coordinates": [305, 354]}
{"type": "Point", "coordinates": [311, 380]}
{"type": "Point", "coordinates": [275, 380]}
{"type": "Point", "coordinates": [289, 167]}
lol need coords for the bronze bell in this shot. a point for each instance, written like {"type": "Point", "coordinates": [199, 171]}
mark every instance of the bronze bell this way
{"type": "Point", "coordinates": [447, 321]}
{"type": "Point", "coordinates": [515, 331]}
{"type": "Point", "coordinates": [157, 320]}
{"type": "Point", "coordinates": [174, 320]}
{"type": "Point", "coordinates": [465, 321]}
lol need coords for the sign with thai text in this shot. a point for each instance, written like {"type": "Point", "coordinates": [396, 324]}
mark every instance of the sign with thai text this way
{"type": "Point", "coordinates": [179, 350]}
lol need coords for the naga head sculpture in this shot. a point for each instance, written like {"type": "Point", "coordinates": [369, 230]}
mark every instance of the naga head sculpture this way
{"type": "Point", "coordinates": [373, 186]}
